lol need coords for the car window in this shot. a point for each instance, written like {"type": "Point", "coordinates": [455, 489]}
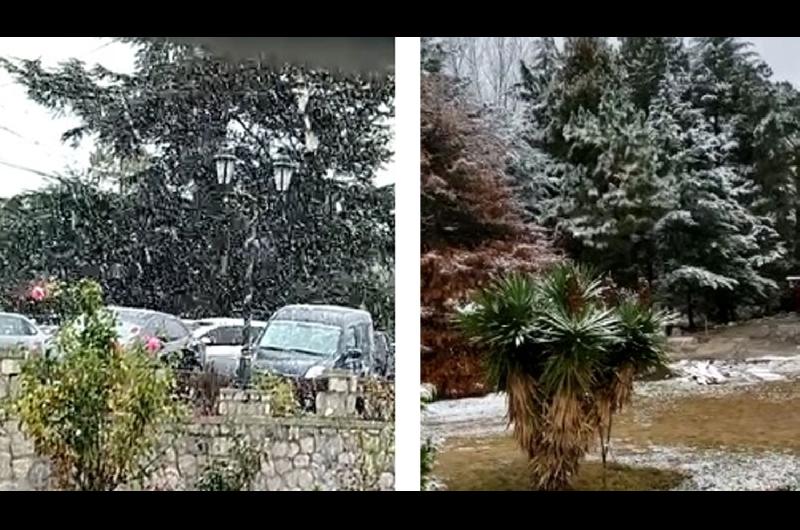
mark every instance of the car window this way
{"type": "Point", "coordinates": [174, 329]}
{"type": "Point", "coordinates": [15, 326]}
{"type": "Point", "coordinates": [350, 339]}
{"type": "Point", "coordinates": [226, 336]}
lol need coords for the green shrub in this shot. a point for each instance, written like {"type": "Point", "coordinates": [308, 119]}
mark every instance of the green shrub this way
{"type": "Point", "coordinates": [98, 410]}
{"type": "Point", "coordinates": [279, 392]}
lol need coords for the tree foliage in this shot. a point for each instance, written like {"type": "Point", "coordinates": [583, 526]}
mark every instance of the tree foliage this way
{"type": "Point", "coordinates": [667, 163]}
{"type": "Point", "coordinates": [165, 235]}
{"type": "Point", "coordinates": [472, 227]}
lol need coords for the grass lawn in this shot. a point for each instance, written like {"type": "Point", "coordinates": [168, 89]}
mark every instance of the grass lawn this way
{"type": "Point", "coordinates": [496, 464]}
{"type": "Point", "coordinates": [756, 418]}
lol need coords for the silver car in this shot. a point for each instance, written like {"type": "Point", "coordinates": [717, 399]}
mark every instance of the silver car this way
{"type": "Point", "coordinates": [141, 324]}
{"type": "Point", "coordinates": [19, 333]}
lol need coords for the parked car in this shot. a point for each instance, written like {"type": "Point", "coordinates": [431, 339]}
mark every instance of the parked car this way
{"type": "Point", "coordinates": [141, 324]}
{"type": "Point", "coordinates": [223, 339]}
{"type": "Point", "coordinates": [304, 340]}
{"type": "Point", "coordinates": [18, 332]}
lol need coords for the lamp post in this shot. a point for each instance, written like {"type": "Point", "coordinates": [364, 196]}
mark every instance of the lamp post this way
{"type": "Point", "coordinates": [283, 170]}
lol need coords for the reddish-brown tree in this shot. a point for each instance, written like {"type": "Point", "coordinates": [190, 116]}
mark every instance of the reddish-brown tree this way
{"type": "Point", "coordinates": [472, 229]}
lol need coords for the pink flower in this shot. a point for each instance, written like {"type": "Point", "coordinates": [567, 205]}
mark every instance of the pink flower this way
{"type": "Point", "coordinates": [38, 293]}
{"type": "Point", "coordinates": [153, 344]}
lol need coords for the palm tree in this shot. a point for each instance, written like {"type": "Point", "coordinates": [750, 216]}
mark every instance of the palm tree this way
{"type": "Point", "coordinates": [565, 358]}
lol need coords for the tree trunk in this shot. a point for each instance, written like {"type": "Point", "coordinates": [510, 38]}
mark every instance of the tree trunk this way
{"type": "Point", "coordinates": [689, 309]}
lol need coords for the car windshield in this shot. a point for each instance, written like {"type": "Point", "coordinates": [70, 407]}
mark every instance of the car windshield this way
{"type": "Point", "coordinates": [14, 326]}
{"type": "Point", "coordinates": [306, 337]}
{"type": "Point", "coordinates": [128, 320]}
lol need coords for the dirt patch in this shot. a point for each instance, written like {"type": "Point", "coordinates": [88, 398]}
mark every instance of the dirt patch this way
{"type": "Point", "coordinates": [496, 464]}
{"type": "Point", "coordinates": [758, 417]}
{"type": "Point", "coordinates": [751, 433]}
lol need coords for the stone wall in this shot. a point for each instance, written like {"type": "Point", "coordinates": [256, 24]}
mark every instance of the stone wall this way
{"type": "Point", "coordinates": [334, 450]}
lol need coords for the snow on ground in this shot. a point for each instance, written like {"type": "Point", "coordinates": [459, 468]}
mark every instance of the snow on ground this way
{"type": "Point", "coordinates": [708, 469]}
{"type": "Point", "coordinates": [719, 470]}
{"type": "Point", "coordinates": [486, 415]}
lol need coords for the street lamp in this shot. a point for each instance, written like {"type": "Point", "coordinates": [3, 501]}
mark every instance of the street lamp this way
{"type": "Point", "coordinates": [225, 163]}
{"type": "Point", "coordinates": [283, 169]}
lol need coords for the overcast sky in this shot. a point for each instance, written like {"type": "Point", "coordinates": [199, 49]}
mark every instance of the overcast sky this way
{"type": "Point", "coordinates": [30, 136]}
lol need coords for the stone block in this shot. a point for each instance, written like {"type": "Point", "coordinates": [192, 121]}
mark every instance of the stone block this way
{"type": "Point", "coordinates": [10, 367]}
{"type": "Point", "coordinates": [20, 468]}
{"type": "Point", "coordinates": [307, 445]}
{"type": "Point", "coordinates": [21, 446]}
{"type": "Point", "coordinates": [275, 484]}
{"type": "Point", "coordinates": [187, 464]}
{"type": "Point", "coordinates": [331, 447]}
{"type": "Point", "coordinates": [5, 466]}
{"type": "Point", "coordinates": [338, 383]}
{"type": "Point", "coordinates": [279, 449]}
{"type": "Point", "coordinates": [301, 461]}
{"type": "Point", "coordinates": [294, 449]}
{"type": "Point", "coordinates": [290, 479]}
{"type": "Point", "coordinates": [386, 481]}
{"type": "Point", "coordinates": [283, 465]}
{"type": "Point", "coordinates": [346, 459]}
{"type": "Point", "coordinates": [294, 432]}
{"type": "Point", "coordinates": [267, 468]}
{"type": "Point", "coordinates": [319, 460]}
{"type": "Point", "coordinates": [305, 480]}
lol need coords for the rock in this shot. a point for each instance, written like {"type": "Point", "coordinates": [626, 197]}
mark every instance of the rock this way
{"type": "Point", "coordinates": [301, 461]}
{"type": "Point", "coordinates": [5, 466]}
{"type": "Point", "coordinates": [267, 468]}
{"type": "Point", "coordinates": [9, 367]}
{"type": "Point", "coordinates": [333, 447]}
{"type": "Point", "coordinates": [305, 480]}
{"type": "Point", "coordinates": [347, 459]}
{"type": "Point", "coordinates": [279, 450]}
{"type": "Point", "coordinates": [283, 465]}
{"type": "Point", "coordinates": [307, 445]}
{"type": "Point", "coordinates": [20, 468]}
{"type": "Point", "coordinates": [386, 481]}
{"type": "Point", "coordinates": [21, 446]}
{"type": "Point", "coordinates": [274, 484]}
{"type": "Point", "coordinates": [187, 465]}
{"type": "Point", "coordinates": [294, 449]}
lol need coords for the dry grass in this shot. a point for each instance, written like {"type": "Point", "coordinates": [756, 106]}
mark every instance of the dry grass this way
{"type": "Point", "coordinates": [762, 417]}
{"type": "Point", "coordinates": [496, 464]}
{"type": "Point", "coordinates": [756, 418]}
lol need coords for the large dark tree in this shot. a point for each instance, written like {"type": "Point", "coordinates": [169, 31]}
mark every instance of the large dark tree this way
{"type": "Point", "coordinates": [183, 237]}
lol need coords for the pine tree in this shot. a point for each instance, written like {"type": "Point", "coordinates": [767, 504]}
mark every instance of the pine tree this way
{"type": "Point", "coordinates": [712, 248]}
{"type": "Point", "coordinates": [589, 70]}
{"type": "Point", "coordinates": [646, 61]}
{"type": "Point", "coordinates": [613, 196]}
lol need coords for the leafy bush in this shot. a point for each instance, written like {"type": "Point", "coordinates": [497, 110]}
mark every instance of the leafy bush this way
{"type": "Point", "coordinates": [427, 459]}
{"type": "Point", "coordinates": [279, 392]}
{"type": "Point", "coordinates": [377, 400]}
{"type": "Point", "coordinates": [98, 410]}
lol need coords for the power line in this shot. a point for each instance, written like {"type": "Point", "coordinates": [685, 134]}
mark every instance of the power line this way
{"type": "Point", "coordinates": [30, 170]}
